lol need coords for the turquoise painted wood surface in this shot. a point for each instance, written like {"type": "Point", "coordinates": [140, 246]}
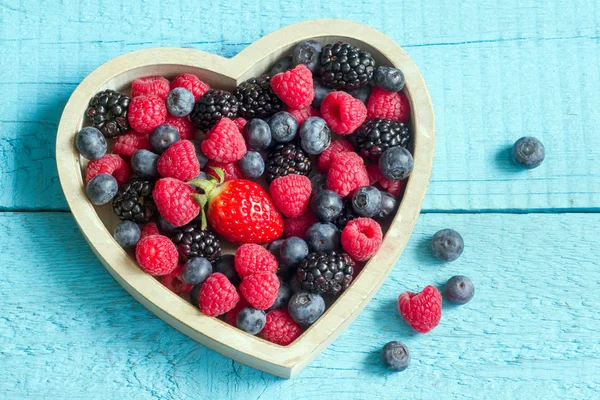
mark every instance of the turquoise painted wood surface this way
{"type": "Point", "coordinates": [496, 70]}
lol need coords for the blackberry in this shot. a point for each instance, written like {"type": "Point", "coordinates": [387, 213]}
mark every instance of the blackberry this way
{"type": "Point", "coordinates": [257, 99]}
{"type": "Point", "coordinates": [346, 216]}
{"type": "Point", "coordinates": [377, 135]}
{"type": "Point", "coordinates": [107, 111]}
{"type": "Point", "coordinates": [211, 107]}
{"type": "Point", "coordinates": [134, 201]}
{"type": "Point", "coordinates": [285, 159]}
{"type": "Point", "coordinates": [193, 241]}
{"type": "Point", "coordinates": [325, 272]}
{"type": "Point", "coordinates": [344, 66]}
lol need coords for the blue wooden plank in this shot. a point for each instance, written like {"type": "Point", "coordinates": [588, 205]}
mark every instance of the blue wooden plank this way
{"type": "Point", "coordinates": [67, 330]}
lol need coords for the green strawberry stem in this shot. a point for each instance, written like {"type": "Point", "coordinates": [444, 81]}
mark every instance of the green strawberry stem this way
{"type": "Point", "coordinates": [210, 188]}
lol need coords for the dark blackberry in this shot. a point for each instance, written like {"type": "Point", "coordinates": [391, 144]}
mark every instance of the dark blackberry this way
{"type": "Point", "coordinates": [346, 216]}
{"type": "Point", "coordinates": [325, 272]}
{"type": "Point", "coordinates": [377, 135]}
{"type": "Point", "coordinates": [192, 241]}
{"type": "Point", "coordinates": [134, 201]}
{"type": "Point", "coordinates": [211, 107]}
{"type": "Point", "coordinates": [256, 98]}
{"type": "Point", "coordinates": [107, 111]}
{"type": "Point", "coordinates": [285, 159]}
{"type": "Point", "coordinates": [344, 66]}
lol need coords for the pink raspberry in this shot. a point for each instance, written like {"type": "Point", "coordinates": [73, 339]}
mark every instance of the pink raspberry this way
{"type": "Point", "coordinates": [192, 83]}
{"type": "Point", "coordinates": [347, 173]}
{"type": "Point", "coordinates": [291, 194]}
{"type": "Point", "coordinates": [361, 238]}
{"type": "Point", "coordinates": [128, 144]}
{"type": "Point", "coordinates": [146, 112]}
{"type": "Point", "coordinates": [240, 123]}
{"type": "Point", "coordinates": [342, 112]}
{"type": "Point", "coordinates": [252, 258]}
{"type": "Point", "coordinates": [217, 295]}
{"type": "Point", "coordinates": [422, 311]}
{"type": "Point", "coordinates": [336, 147]}
{"type": "Point", "coordinates": [280, 328]}
{"type": "Point", "coordinates": [183, 125]}
{"type": "Point", "coordinates": [174, 201]}
{"type": "Point", "coordinates": [149, 229]}
{"type": "Point", "coordinates": [388, 105]}
{"type": "Point", "coordinates": [156, 255]}
{"type": "Point", "coordinates": [260, 289]}
{"type": "Point", "coordinates": [231, 170]}
{"type": "Point", "coordinates": [231, 315]}
{"type": "Point", "coordinates": [376, 178]}
{"type": "Point", "coordinates": [174, 283]}
{"type": "Point", "coordinates": [299, 225]}
{"type": "Point", "coordinates": [156, 85]}
{"type": "Point", "coordinates": [179, 161]}
{"type": "Point", "coordinates": [111, 164]}
{"type": "Point", "coordinates": [224, 142]}
{"type": "Point", "coordinates": [301, 114]}
{"type": "Point", "coordinates": [294, 87]}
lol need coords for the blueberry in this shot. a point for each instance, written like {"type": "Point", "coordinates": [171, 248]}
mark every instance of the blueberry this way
{"type": "Point", "coordinates": [307, 53]}
{"type": "Point", "coordinates": [295, 284]}
{"type": "Point", "coordinates": [362, 93]}
{"type": "Point", "coordinates": [91, 143]}
{"type": "Point", "coordinates": [252, 165]}
{"type": "Point", "coordinates": [283, 126]}
{"type": "Point", "coordinates": [396, 163]}
{"type": "Point", "coordinates": [127, 234]}
{"type": "Point", "coordinates": [388, 78]}
{"type": "Point", "coordinates": [203, 176]}
{"type": "Point", "coordinates": [528, 152]}
{"type": "Point", "coordinates": [305, 308]}
{"type": "Point", "coordinates": [275, 247]}
{"type": "Point", "coordinates": [459, 289]}
{"type": "Point", "coordinates": [283, 296]}
{"type": "Point", "coordinates": [257, 134]}
{"type": "Point", "coordinates": [225, 265]}
{"type": "Point", "coordinates": [366, 201]}
{"type": "Point", "coordinates": [194, 294]}
{"type": "Point", "coordinates": [251, 320]}
{"type": "Point", "coordinates": [145, 163]}
{"type": "Point", "coordinates": [196, 270]}
{"type": "Point", "coordinates": [202, 159]}
{"type": "Point", "coordinates": [163, 137]}
{"type": "Point", "coordinates": [447, 245]}
{"type": "Point", "coordinates": [293, 250]}
{"type": "Point", "coordinates": [323, 236]}
{"type": "Point", "coordinates": [101, 189]}
{"type": "Point", "coordinates": [326, 205]}
{"type": "Point", "coordinates": [180, 102]}
{"type": "Point", "coordinates": [320, 93]}
{"type": "Point", "coordinates": [281, 66]}
{"type": "Point", "coordinates": [395, 356]}
{"type": "Point", "coordinates": [164, 226]}
{"type": "Point", "coordinates": [387, 206]}
{"type": "Point", "coordinates": [315, 135]}
{"type": "Point", "coordinates": [318, 183]}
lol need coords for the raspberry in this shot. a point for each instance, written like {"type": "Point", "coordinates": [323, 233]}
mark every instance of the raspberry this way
{"type": "Point", "coordinates": [294, 87]}
{"type": "Point", "coordinates": [156, 85]}
{"type": "Point", "coordinates": [231, 316]}
{"type": "Point", "coordinates": [111, 164]}
{"type": "Point", "coordinates": [396, 188]}
{"type": "Point", "coordinates": [291, 194]}
{"type": "Point", "coordinates": [280, 328]}
{"type": "Point", "coordinates": [183, 125]}
{"type": "Point", "coordinates": [231, 170]}
{"type": "Point", "coordinates": [146, 112]}
{"type": "Point", "coordinates": [337, 147]}
{"type": "Point", "coordinates": [388, 105]}
{"type": "Point", "coordinates": [174, 283]}
{"type": "Point", "coordinates": [299, 225]}
{"type": "Point", "coordinates": [191, 83]}
{"type": "Point", "coordinates": [342, 112]}
{"type": "Point", "coordinates": [149, 229]}
{"type": "Point", "coordinates": [217, 295]}
{"type": "Point", "coordinates": [422, 311]}
{"type": "Point", "coordinates": [174, 201]}
{"type": "Point", "coordinates": [260, 289]}
{"type": "Point", "coordinates": [179, 161]}
{"type": "Point", "coordinates": [240, 123]}
{"type": "Point", "coordinates": [301, 114]}
{"type": "Point", "coordinates": [156, 255]}
{"type": "Point", "coordinates": [224, 142]}
{"type": "Point", "coordinates": [347, 173]}
{"type": "Point", "coordinates": [252, 258]}
{"type": "Point", "coordinates": [127, 145]}
{"type": "Point", "coordinates": [361, 238]}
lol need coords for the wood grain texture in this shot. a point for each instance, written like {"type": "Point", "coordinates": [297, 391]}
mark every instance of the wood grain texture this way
{"type": "Point", "coordinates": [497, 70]}
{"type": "Point", "coordinates": [68, 330]}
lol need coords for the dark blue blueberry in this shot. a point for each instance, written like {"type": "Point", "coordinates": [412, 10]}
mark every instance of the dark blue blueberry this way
{"type": "Point", "coordinates": [91, 143]}
{"type": "Point", "coordinates": [315, 135]}
{"type": "Point", "coordinates": [283, 126]}
{"type": "Point", "coordinates": [396, 356]}
{"type": "Point", "coordinates": [323, 236]}
{"type": "Point", "coordinates": [275, 246]}
{"type": "Point", "coordinates": [101, 189]}
{"type": "Point", "coordinates": [396, 163]}
{"type": "Point", "coordinates": [251, 320]}
{"type": "Point", "coordinates": [459, 289]}
{"type": "Point", "coordinates": [202, 159]}
{"type": "Point", "coordinates": [318, 183]}
{"type": "Point", "coordinates": [293, 250]}
{"type": "Point", "coordinates": [145, 163]}
{"type": "Point", "coordinates": [180, 102]}
{"type": "Point", "coordinates": [320, 93]}
{"type": "Point", "coordinates": [127, 234]}
{"type": "Point", "coordinates": [225, 265]}
{"type": "Point", "coordinates": [164, 226]}
{"type": "Point", "coordinates": [252, 165]}
{"type": "Point", "coordinates": [326, 205]}
{"type": "Point", "coordinates": [307, 53]}
{"type": "Point", "coordinates": [257, 134]}
{"type": "Point", "coordinates": [366, 201]}
{"type": "Point", "coordinates": [203, 176]}
{"type": "Point", "coordinates": [447, 245]}
{"type": "Point", "coordinates": [194, 294]}
{"type": "Point", "coordinates": [388, 78]}
{"type": "Point", "coordinates": [305, 308]}
{"type": "Point", "coordinates": [362, 93]}
{"type": "Point", "coordinates": [528, 152]}
{"type": "Point", "coordinates": [196, 270]}
{"type": "Point", "coordinates": [295, 285]}
{"type": "Point", "coordinates": [163, 136]}
{"type": "Point", "coordinates": [281, 66]}
{"type": "Point", "coordinates": [283, 296]}
{"type": "Point", "coordinates": [387, 206]}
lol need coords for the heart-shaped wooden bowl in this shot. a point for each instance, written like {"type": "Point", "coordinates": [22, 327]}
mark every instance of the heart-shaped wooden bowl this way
{"type": "Point", "coordinates": [97, 223]}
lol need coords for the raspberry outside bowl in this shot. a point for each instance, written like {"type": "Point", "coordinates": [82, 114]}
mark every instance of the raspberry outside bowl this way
{"type": "Point", "coordinates": [97, 223]}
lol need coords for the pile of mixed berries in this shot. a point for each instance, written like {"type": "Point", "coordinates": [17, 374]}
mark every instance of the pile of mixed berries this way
{"type": "Point", "coordinates": [325, 132]}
